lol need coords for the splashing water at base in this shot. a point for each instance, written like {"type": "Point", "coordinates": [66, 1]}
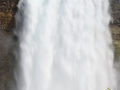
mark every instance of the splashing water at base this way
{"type": "Point", "coordinates": [64, 45]}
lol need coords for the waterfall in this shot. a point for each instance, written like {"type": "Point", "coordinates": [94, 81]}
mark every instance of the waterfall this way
{"type": "Point", "coordinates": [64, 45]}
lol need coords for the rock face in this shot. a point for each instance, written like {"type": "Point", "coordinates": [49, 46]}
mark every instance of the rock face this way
{"type": "Point", "coordinates": [115, 7]}
{"type": "Point", "coordinates": [116, 41]}
{"type": "Point", "coordinates": [7, 61]}
{"type": "Point", "coordinates": [7, 58]}
{"type": "Point", "coordinates": [7, 12]}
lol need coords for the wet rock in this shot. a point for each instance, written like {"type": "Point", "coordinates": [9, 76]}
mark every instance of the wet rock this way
{"type": "Point", "coordinates": [115, 7]}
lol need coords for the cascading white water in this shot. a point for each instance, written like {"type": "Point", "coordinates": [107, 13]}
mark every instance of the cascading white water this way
{"type": "Point", "coordinates": [64, 45]}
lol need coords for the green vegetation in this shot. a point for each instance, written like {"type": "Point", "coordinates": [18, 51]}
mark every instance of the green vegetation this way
{"type": "Point", "coordinates": [108, 88]}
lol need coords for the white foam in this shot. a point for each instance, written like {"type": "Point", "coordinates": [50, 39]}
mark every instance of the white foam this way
{"type": "Point", "coordinates": [65, 45]}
